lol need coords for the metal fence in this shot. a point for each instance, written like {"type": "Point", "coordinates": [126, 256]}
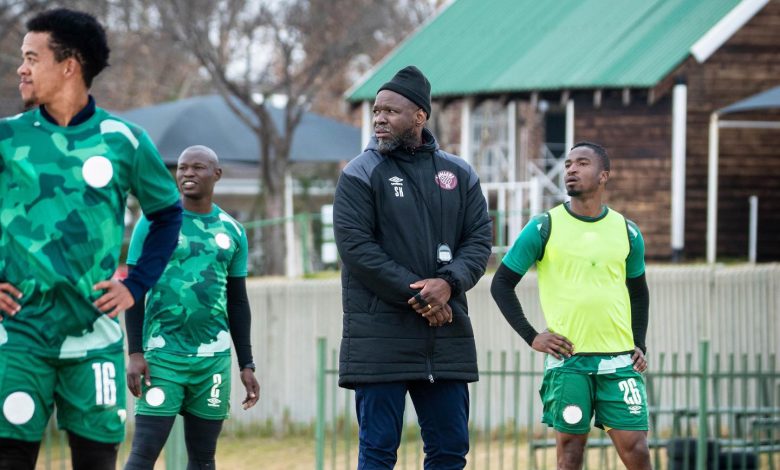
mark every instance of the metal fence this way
{"type": "Point", "coordinates": [723, 412]}
{"type": "Point", "coordinates": [307, 236]}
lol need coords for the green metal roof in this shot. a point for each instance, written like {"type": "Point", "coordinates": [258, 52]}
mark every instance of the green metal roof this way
{"type": "Point", "coordinates": [495, 46]}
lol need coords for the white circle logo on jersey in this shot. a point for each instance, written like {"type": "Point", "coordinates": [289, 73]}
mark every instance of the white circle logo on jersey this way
{"type": "Point", "coordinates": [18, 408]}
{"type": "Point", "coordinates": [155, 396]}
{"type": "Point", "coordinates": [572, 414]}
{"type": "Point", "coordinates": [97, 171]}
{"type": "Point", "coordinates": [223, 241]}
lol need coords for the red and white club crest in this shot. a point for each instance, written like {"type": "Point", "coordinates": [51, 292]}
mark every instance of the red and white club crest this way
{"type": "Point", "coordinates": [446, 180]}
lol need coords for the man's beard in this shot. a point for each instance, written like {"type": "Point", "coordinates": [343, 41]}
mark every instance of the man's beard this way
{"type": "Point", "coordinates": [573, 192]}
{"type": "Point", "coordinates": [402, 140]}
{"type": "Point", "coordinates": [29, 102]}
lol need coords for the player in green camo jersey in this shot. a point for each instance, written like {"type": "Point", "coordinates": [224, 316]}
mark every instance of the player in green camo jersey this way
{"type": "Point", "coordinates": [591, 274]}
{"type": "Point", "coordinates": [190, 316]}
{"type": "Point", "coordinates": [66, 168]}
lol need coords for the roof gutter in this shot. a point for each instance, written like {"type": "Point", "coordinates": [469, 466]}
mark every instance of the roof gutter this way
{"type": "Point", "coordinates": [725, 28]}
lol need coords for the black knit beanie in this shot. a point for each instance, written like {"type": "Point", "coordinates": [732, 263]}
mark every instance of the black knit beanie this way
{"type": "Point", "coordinates": [412, 84]}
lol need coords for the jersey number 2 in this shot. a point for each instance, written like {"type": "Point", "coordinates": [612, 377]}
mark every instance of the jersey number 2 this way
{"type": "Point", "coordinates": [215, 387]}
{"type": "Point", "coordinates": [105, 385]}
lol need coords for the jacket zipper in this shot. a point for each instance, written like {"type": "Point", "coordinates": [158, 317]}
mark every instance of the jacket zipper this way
{"type": "Point", "coordinates": [432, 331]}
{"type": "Point", "coordinates": [421, 194]}
{"type": "Point", "coordinates": [429, 353]}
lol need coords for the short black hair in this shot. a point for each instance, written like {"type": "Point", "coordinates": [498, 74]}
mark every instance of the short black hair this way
{"type": "Point", "coordinates": [598, 150]}
{"type": "Point", "coordinates": [74, 34]}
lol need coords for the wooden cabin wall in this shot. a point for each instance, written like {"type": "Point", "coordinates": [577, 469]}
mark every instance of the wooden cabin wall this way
{"type": "Point", "coordinates": [746, 64]}
{"type": "Point", "coordinates": [638, 139]}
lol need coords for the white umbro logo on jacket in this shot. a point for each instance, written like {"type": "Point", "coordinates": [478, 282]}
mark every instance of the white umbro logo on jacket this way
{"type": "Point", "coordinates": [398, 185]}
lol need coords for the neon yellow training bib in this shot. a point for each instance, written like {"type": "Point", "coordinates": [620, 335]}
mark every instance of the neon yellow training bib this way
{"type": "Point", "coordinates": [582, 282]}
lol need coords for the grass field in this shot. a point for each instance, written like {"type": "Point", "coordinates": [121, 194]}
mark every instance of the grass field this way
{"type": "Point", "coordinates": [247, 451]}
{"type": "Point", "coordinates": [297, 453]}
{"type": "Point", "coordinates": [234, 453]}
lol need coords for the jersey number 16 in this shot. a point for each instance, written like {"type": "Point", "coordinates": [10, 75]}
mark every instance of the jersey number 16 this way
{"type": "Point", "coordinates": [105, 385]}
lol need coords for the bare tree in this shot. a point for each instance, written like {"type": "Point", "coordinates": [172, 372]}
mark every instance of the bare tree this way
{"type": "Point", "coordinates": [255, 50]}
{"type": "Point", "coordinates": [12, 11]}
{"type": "Point", "coordinates": [147, 65]}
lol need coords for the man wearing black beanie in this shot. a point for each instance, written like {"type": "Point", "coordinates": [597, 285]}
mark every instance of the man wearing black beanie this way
{"type": "Point", "coordinates": [412, 84]}
{"type": "Point", "coordinates": [414, 235]}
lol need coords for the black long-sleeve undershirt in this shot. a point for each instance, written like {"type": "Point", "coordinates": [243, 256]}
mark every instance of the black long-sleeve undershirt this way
{"type": "Point", "coordinates": [503, 290]}
{"type": "Point", "coordinates": [240, 319]}
{"type": "Point", "coordinates": [134, 323]}
{"type": "Point", "coordinates": [639, 295]}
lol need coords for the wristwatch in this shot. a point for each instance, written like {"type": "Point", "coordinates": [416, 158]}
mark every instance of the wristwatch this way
{"type": "Point", "coordinates": [249, 365]}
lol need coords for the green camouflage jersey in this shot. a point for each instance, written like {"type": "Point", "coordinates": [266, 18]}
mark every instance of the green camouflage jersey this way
{"type": "Point", "coordinates": [186, 311]}
{"type": "Point", "coordinates": [62, 212]}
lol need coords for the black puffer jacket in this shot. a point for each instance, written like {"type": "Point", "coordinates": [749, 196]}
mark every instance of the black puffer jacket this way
{"type": "Point", "coordinates": [391, 212]}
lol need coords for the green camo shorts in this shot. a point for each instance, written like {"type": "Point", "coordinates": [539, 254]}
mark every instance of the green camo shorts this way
{"type": "Point", "coordinates": [89, 393]}
{"type": "Point", "coordinates": [573, 395]}
{"type": "Point", "coordinates": [196, 385]}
